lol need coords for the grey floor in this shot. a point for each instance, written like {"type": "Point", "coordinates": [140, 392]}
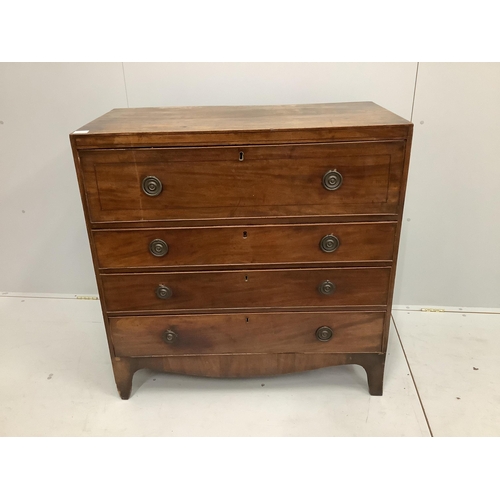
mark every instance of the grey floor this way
{"type": "Point", "coordinates": [442, 379]}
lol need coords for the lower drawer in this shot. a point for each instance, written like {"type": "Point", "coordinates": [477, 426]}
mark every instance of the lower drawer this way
{"type": "Point", "coordinates": [247, 333]}
{"type": "Point", "coordinates": [226, 290]}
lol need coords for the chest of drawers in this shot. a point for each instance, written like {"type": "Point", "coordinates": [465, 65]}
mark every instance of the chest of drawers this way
{"type": "Point", "coordinates": [244, 241]}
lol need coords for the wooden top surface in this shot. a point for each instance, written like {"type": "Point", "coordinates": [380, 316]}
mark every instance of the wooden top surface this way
{"type": "Point", "coordinates": [150, 126]}
{"type": "Point", "coordinates": [224, 118]}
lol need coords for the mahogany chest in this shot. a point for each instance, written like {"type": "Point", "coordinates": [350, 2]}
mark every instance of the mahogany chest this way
{"type": "Point", "coordinates": [244, 241]}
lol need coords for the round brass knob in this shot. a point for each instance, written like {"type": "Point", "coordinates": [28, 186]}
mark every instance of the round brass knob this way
{"type": "Point", "coordinates": [151, 185]}
{"type": "Point", "coordinates": [326, 288]}
{"type": "Point", "coordinates": [169, 337]}
{"type": "Point", "coordinates": [163, 292]}
{"type": "Point", "coordinates": [324, 333]}
{"type": "Point", "coordinates": [332, 180]}
{"type": "Point", "coordinates": [329, 243]}
{"type": "Point", "coordinates": [158, 248]}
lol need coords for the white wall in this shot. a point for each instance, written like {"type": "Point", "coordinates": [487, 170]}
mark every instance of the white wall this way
{"type": "Point", "coordinates": [449, 247]}
{"type": "Point", "coordinates": [43, 241]}
{"type": "Point", "coordinates": [192, 84]}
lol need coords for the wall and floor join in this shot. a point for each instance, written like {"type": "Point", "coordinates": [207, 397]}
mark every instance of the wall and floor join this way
{"type": "Point", "coordinates": [441, 373]}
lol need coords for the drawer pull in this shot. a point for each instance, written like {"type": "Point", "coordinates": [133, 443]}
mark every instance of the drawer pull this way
{"type": "Point", "coordinates": [151, 185]}
{"type": "Point", "coordinates": [332, 180]}
{"type": "Point", "coordinates": [326, 288]}
{"type": "Point", "coordinates": [169, 337]}
{"type": "Point", "coordinates": [163, 292]}
{"type": "Point", "coordinates": [324, 333]}
{"type": "Point", "coordinates": [329, 243]}
{"type": "Point", "coordinates": [158, 248]}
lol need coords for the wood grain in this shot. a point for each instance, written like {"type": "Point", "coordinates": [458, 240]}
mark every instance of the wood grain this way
{"type": "Point", "coordinates": [226, 290]}
{"type": "Point", "coordinates": [397, 238]}
{"type": "Point", "coordinates": [248, 365]}
{"type": "Point", "coordinates": [270, 181]}
{"type": "Point", "coordinates": [246, 333]}
{"type": "Point", "coordinates": [204, 125]}
{"type": "Point", "coordinates": [245, 246]}
{"type": "Point", "coordinates": [244, 261]}
{"type": "Point", "coordinates": [249, 221]}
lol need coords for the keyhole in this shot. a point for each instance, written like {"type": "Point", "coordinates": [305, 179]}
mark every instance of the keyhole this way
{"type": "Point", "coordinates": [242, 155]}
{"type": "Point", "coordinates": [247, 320]}
{"type": "Point", "coordinates": [245, 234]}
{"type": "Point", "coordinates": [246, 278]}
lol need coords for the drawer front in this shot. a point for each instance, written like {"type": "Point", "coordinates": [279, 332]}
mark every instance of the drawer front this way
{"type": "Point", "coordinates": [250, 333]}
{"type": "Point", "coordinates": [243, 182]}
{"type": "Point", "coordinates": [247, 245]}
{"type": "Point", "coordinates": [246, 289]}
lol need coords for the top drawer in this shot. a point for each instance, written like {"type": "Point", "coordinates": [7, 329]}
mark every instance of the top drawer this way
{"type": "Point", "coordinates": [243, 182]}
